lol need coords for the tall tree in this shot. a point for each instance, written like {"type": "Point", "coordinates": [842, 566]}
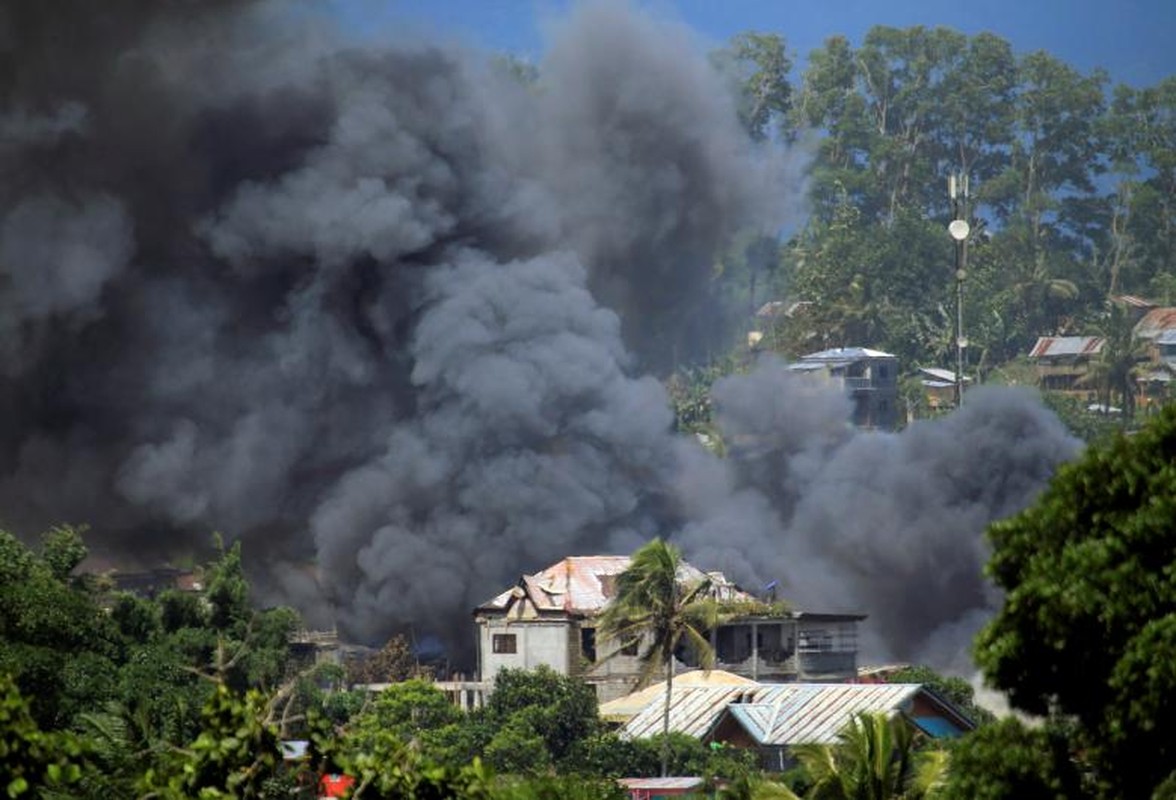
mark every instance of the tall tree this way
{"type": "Point", "coordinates": [653, 608]}
{"type": "Point", "coordinates": [1088, 625]}
{"type": "Point", "coordinates": [974, 114]}
{"type": "Point", "coordinates": [1140, 133]}
{"type": "Point", "coordinates": [759, 64]}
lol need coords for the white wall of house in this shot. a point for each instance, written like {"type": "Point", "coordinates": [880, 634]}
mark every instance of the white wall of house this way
{"type": "Point", "coordinates": [535, 643]}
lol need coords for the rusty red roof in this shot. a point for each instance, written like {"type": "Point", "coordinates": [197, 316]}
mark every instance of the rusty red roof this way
{"type": "Point", "coordinates": [1155, 322]}
{"type": "Point", "coordinates": [1134, 301]}
{"type": "Point", "coordinates": [584, 585]}
{"type": "Point", "coordinates": [1055, 346]}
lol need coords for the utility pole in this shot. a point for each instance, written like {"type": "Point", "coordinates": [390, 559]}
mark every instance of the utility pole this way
{"type": "Point", "coordinates": [957, 191]}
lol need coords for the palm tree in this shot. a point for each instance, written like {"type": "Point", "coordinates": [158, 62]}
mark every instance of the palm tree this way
{"type": "Point", "coordinates": [650, 605]}
{"type": "Point", "coordinates": [875, 759]}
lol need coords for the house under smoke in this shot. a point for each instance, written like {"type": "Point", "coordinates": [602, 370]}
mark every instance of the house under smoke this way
{"type": "Point", "coordinates": [868, 377]}
{"type": "Point", "coordinates": [550, 618]}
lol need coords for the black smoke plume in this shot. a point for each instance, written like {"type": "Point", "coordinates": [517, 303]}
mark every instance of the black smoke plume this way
{"type": "Point", "coordinates": [385, 312]}
{"type": "Point", "coordinates": [882, 523]}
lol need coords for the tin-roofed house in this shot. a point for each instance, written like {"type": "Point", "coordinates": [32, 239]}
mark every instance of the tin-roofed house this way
{"type": "Point", "coordinates": [1158, 329]}
{"type": "Point", "coordinates": [868, 377]}
{"type": "Point", "coordinates": [772, 718]}
{"type": "Point", "coordinates": [939, 386]}
{"type": "Point", "coordinates": [1063, 364]}
{"type": "Point", "coordinates": [550, 618]}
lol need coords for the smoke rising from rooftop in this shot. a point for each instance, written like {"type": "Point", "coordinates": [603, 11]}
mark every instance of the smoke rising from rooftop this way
{"type": "Point", "coordinates": [387, 307]}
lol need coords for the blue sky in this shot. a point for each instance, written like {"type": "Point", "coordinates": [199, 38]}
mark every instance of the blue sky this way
{"type": "Point", "coordinates": [1135, 40]}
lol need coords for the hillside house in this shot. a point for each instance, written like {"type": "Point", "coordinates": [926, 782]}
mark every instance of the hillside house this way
{"type": "Point", "coordinates": [1063, 364]}
{"type": "Point", "coordinates": [772, 718]}
{"type": "Point", "coordinates": [939, 386]}
{"type": "Point", "coordinates": [550, 618]}
{"type": "Point", "coordinates": [1158, 329]}
{"type": "Point", "coordinates": [868, 377]}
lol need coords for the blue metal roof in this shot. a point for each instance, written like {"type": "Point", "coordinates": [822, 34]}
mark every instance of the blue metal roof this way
{"type": "Point", "coordinates": [786, 714]}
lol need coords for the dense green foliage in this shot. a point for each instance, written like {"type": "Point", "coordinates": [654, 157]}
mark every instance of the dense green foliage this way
{"type": "Point", "coordinates": [110, 682]}
{"type": "Point", "coordinates": [1072, 185]}
{"type": "Point", "coordinates": [1008, 760]}
{"type": "Point", "coordinates": [1060, 173]}
{"type": "Point", "coordinates": [32, 759]}
{"type": "Point", "coordinates": [1088, 627]}
{"type": "Point", "coordinates": [188, 695]}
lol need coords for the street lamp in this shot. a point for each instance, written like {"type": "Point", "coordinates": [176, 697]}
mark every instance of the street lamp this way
{"type": "Point", "coordinates": [959, 229]}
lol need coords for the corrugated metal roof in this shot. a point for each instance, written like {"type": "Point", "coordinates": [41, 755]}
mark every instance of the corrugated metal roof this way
{"type": "Point", "coordinates": [1053, 346]}
{"type": "Point", "coordinates": [694, 710]}
{"type": "Point", "coordinates": [815, 713]}
{"type": "Point", "coordinates": [1156, 322]}
{"type": "Point", "coordinates": [623, 709]}
{"type": "Point", "coordinates": [1134, 301]}
{"type": "Point", "coordinates": [775, 714]}
{"type": "Point", "coordinates": [846, 354]}
{"type": "Point", "coordinates": [942, 376]}
{"type": "Point", "coordinates": [580, 584]}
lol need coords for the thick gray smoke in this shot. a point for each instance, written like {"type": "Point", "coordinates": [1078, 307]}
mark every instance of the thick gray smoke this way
{"type": "Point", "coordinates": [386, 309]}
{"type": "Point", "coordinates": [886, 524]}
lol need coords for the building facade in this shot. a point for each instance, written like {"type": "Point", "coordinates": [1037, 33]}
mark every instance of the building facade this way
{"type": "Point", "coordinates": [550, 618]}
{"type": "Point", "coordinates": [1063, 364]}
{"type": "Point", "coordinates": [868, 377]}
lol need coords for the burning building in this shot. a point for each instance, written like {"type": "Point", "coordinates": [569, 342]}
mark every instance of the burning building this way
{"type": "Point", "coordinates": [550, 618]}
{"type": "Point", "coordinates": [382, 306]}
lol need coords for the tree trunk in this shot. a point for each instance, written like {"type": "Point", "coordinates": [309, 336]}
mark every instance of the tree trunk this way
{"type": "Point", "coordinates": [665, 753]}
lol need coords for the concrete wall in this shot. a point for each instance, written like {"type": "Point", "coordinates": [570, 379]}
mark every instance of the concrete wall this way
{"type": "Point", "coordinates": [614, 674]}
{"type": "Point", "coordinates": [536, 642]}
{"type": "Point", "coordinates": [557, 643]}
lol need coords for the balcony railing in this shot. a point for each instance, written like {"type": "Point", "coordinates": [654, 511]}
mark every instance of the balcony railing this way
{"type": "Point", "coordinates": [802, 665]}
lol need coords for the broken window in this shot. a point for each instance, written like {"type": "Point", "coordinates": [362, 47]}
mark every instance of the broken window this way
{"type": "Point", "coordinates": [588, 643]}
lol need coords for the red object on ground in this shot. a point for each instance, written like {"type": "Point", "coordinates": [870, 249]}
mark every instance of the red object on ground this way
{"type": "Point", "coordinates": [335, 785]}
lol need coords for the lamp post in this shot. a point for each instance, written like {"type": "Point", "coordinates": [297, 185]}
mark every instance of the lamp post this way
{"type": "Point", "coordinates": [957, 190]}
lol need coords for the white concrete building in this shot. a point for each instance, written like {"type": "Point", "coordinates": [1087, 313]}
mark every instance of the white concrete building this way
{"type": "Point", "coordinates": [549, 618]}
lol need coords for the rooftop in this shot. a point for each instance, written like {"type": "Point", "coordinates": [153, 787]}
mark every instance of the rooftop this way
{"type": "Point", "coordinates": [939, 378]}
{"type": "Point", "coordinates": [787, 713]}
{"type": "Point", "coordinates": [625, 708]}
{"type": "Point", "coordinates": [1156, 322]}
{"type": "Point", "coordinates": [1055, 346]}
{"type": "Point", "coordinates": [845, 354]}
{"type": "Point", "coordinates": [585, 584]}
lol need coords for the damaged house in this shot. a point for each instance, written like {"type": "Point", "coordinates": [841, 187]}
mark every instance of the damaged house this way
{"type": "Point", "coordinates": [550, 618]}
